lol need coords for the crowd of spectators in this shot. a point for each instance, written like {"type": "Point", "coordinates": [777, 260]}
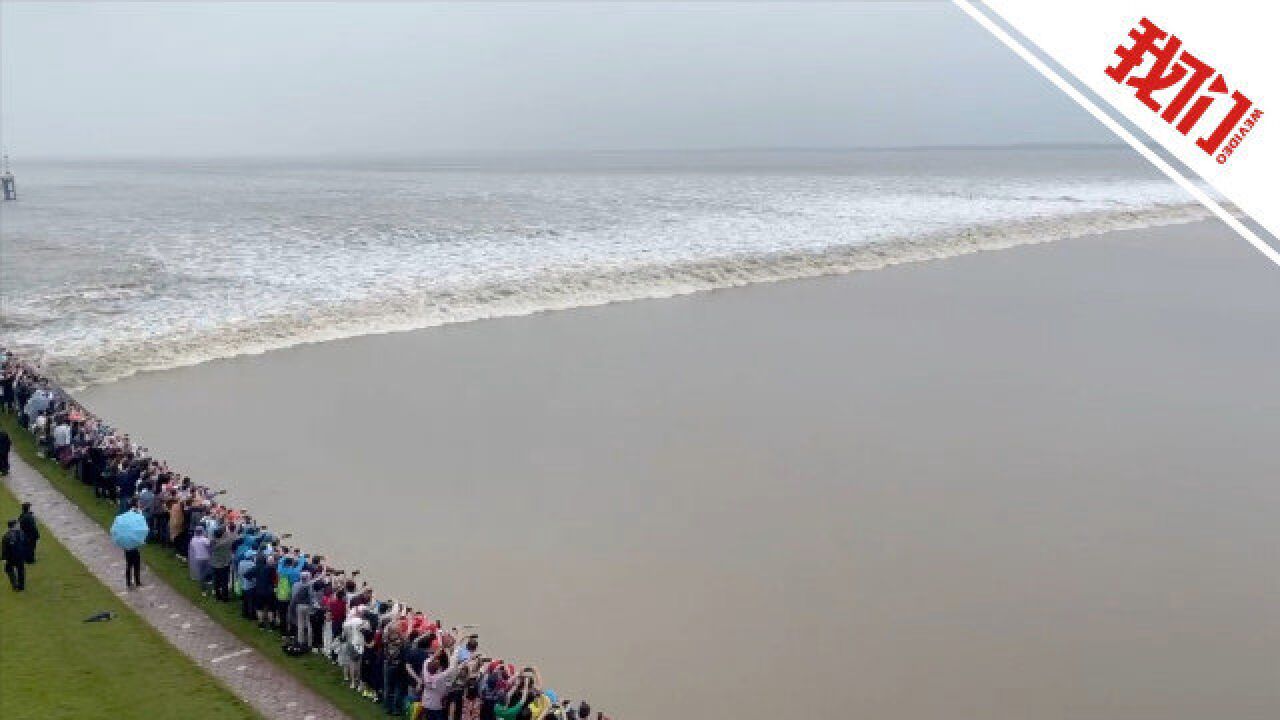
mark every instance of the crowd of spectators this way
{"type": "Point", "coordinates": [403, 658]}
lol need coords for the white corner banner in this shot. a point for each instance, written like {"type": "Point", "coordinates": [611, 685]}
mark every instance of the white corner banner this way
{"type": "Point", "coordinates": [1197, 79]}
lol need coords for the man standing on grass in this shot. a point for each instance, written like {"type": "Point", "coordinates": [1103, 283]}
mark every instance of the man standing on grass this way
{"type": "Point", "coordinates": [7, 380]}
{"type": "Point", "coordinates": [14, 551]}
{"type": "Point", "coordinates": [5, 445]}
{"type": "Point", "coordinates": [30, 532]}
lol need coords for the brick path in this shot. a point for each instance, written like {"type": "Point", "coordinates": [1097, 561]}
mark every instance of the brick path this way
{"type": "Point", "coordinates": [260, 682]}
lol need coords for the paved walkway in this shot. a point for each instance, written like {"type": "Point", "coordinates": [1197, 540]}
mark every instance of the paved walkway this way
{"type": "Point", "coordinates": [260, 682]}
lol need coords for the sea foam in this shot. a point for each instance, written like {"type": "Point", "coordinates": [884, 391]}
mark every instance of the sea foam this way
{"type": "Point", "coordinates": [118, 269]}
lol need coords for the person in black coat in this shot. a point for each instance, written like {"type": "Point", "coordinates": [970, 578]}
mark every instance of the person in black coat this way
{"type": "Point", "coordinates": [30, 532]}
{"type": "Point", "coordinates": [13, 552]}
{"type": "Point", "coordinates": [5, 446]}
{"type": "Point", "coordinates": [6, 392]}
{"type": "Point", "coordinates": [127, 485]}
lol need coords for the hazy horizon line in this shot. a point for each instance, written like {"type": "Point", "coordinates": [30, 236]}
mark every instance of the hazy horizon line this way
{"type": "Point", "coordinates": [494, 153]}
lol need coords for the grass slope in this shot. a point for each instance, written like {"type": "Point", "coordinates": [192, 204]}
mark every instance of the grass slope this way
{"type": "Point", "coordinates": [55, 665]}
{"type": "Point", "coordinates": [312, 670]}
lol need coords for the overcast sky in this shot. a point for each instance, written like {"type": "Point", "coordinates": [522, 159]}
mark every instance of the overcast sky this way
{"type": "Point", "coordinates": [300, 79]}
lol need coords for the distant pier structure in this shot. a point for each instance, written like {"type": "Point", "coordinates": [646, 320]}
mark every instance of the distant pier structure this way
{"type": "Point", "coordinates": [7, 183]}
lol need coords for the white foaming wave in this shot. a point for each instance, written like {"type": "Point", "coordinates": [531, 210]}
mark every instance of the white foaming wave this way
{"type": "Point", "coordinates": [408, 305]}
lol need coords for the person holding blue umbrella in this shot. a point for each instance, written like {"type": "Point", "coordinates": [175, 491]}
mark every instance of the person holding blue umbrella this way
{"type": "Point", "coordinates": [129, 532]}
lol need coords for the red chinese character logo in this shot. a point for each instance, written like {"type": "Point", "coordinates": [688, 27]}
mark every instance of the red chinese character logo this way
{"type": "Point", "coordinates": [1171, 65]}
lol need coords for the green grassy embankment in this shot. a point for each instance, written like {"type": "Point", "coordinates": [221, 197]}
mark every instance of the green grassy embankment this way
{"type": "Point", "coordinates": [55, 665]}
{"type": "Point", "coordinates": [312, 670]}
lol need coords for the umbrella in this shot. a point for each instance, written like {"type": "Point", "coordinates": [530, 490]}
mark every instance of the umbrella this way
{"type": "Point", "coordinates": [129, 530]}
